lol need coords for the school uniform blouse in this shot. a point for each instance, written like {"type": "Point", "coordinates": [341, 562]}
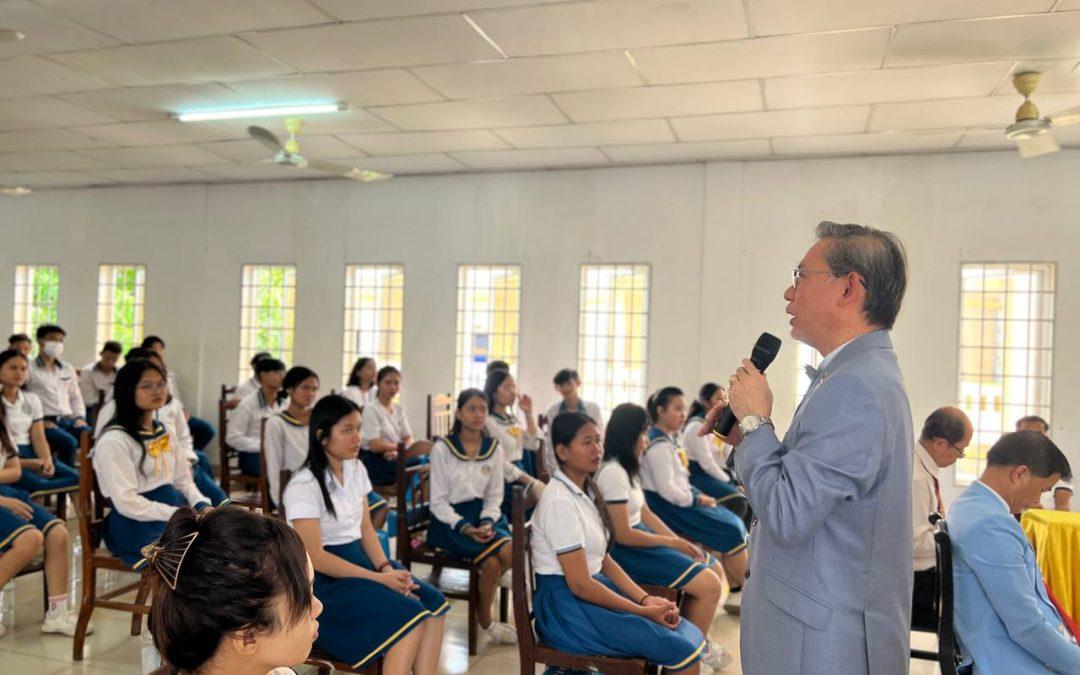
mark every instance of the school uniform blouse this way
{"type": "Point", "coordinates": [702, 449]}
{"type": "Point", "coordinates": [93, 380]}
{"type": "Point", "coordinates": [378, 422]}
{"type": "Point", "coordinates": [172, 416]}
{"type": "Point", "coordinates": [664, 471]}
{"type": "Point", "coordinates": [514, 440]}
{"type": "Point", "coordinates": [246, 388]}
{"type": "Point", "coordinates": [115, 457]}
{"type": "Point", "coordinates": [617, 488]}
{"type": "Point", "coordinates": [566, 520]}
{"type": "Point", "coordinates": [57, 387]}
{"type": "Point", "coordinates": [456, 478]}
{"type": "Point", "coordinates": [245, 425]}
{"type": "Point", "coordinates": [303, 499]}
{"type": "Point", "coordinates": [286, 447]}
{"type": "Point", "coordinates": [357, 395]}
{"type": "Point", "coordinates": [21, 415]}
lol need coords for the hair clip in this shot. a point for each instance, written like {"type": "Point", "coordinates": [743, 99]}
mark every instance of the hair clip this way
{"type": "Point", "coordinates": [167, 558]}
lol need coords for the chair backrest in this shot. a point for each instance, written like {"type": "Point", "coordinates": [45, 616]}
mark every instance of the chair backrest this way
{"type": "Point", "coordinates": [543, 472]}
{"type": "Point", "coordinates": [947, 652]}
{"type": "Point", "coordinates": [227, 391]}
{"type": "Point", "coordinates": [522, 574]}
{"type": "Point", "coordinates": [285, 475]}
{"type": "Point", "coordinates": [89, 502]}
{"type": "Point", "coordinates": [440, 415]}
{"type": "Point", "coordinates": [413, 512]}
{"type": "Point", "coordinates": [264, 481]}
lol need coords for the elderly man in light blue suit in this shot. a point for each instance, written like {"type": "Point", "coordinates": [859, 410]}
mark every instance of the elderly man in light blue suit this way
{"type": "Point", "coordinates": [829, 586]}
{"type": "Point", "coordinates": [1005, 620]}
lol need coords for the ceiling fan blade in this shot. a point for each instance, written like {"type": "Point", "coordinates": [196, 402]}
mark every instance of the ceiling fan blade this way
{"type": "Point", "coordinates": [267, 138]}
{"type": "Point", "coordinates": [1065, 117]}
{"type": "Point", "coordinates": [350, 172]}
{"type": "Point", "coordinates": [10, 35]}
{"type": "Point", "coordinates": [1043, 144]}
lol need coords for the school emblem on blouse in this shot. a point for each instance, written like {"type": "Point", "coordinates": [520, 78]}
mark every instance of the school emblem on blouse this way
{"type": "Point", "coordinates": [515, 431]}
{"type": "Point", "coordinates": [26, 407]}
{"type": "Point", "coordinates": [486, 469]}
{"type": "Point", "coordinates": [683, 458]}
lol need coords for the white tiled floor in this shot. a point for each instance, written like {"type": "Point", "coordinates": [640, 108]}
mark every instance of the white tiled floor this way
{"type": "Point", "coordinates": [112, 649]}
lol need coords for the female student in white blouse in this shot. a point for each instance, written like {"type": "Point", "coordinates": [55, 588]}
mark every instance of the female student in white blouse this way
{"type": "Point", "coordinates": [138, 465]}
{"type": "Point", "coordinates": [245, 424]}
{"type": "Point", "coordinates": [240, 603]}
{"type": "Point", "coordinates": [23, 417]}
{"type": "Point", "coordinates": [372, 607]}
{"type": "Point", "coordinates": [704, 452]}
{"type": "Point", "coordinates": [518, 443]}
{"type": "Point", "coordinates": [665, 478]}
{"type": "Point", "coordinates": [385, 427]}
{"type": "Point", "coordinates": [466, 502]}
{"type": "Point", "coordinates": [285, 436]}
{"type": "Point", "coordinates": [584, 602]}
{"type": "Point", "coordinates": [361, 388]}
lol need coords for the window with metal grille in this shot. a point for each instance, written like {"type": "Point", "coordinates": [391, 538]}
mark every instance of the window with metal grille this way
{"type": "Point", "coordinates": [488, 321]}
{"type": "Point", "coordinates": [267, 314]}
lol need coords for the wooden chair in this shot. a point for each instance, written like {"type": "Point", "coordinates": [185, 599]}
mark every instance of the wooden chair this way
{"type": "Point", "coordinates": [229, 456]}
{"type": "Point", "coordinates": [947, 654]}
{"type": "Point", "coordinates": [413, 519]}
{"type": "Point", "coordinates": [543, 472]}
{"type": "Point", "coordinates": [440, 415]}
{"type": "Point", "coordinates": [90, 506]}
{"type": "Point", "coordinates": [530, 649]}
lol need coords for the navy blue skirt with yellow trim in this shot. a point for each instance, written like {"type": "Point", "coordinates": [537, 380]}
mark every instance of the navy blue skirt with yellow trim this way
{"type": "Point", "coordinates": [658, 565]}
{"type": "Point", "coordinates": [363, 619]}
{"type": "Point", "coordinates": [11, 525]}
{"type": "Point", "coordinates": [572, 625]}
{"type": "Point", "coordinates": [714, 526]}
{"type": "Point", "coordinates": [125, 537]}
{"type": "Point", "coordinates": [461, 546]}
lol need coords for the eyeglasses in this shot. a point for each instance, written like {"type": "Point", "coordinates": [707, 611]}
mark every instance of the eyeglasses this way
{"type": "Point", "coordinates": [153, 386]}
{"type": "Point", "coordinates": [797, 274]}
{"type": "Point", "coordinates": [954, 446]}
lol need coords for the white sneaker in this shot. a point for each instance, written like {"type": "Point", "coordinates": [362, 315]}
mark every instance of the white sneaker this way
{"type": "Point", "coordinates": [63, 623]}
{"type": "Point", "coordinates": [717, 657]}
{"type": "Point", "coordinates": [733, 604]}
{"type": "Point", "coordinates": [507, 580]}
{"type": "Point", "coordinates": [501, 633]}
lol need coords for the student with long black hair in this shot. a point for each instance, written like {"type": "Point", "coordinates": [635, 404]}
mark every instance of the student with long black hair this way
{"type": "Point", "coordinates": [372, 606]}
{"type": "Point", "coordinates": [466, 502]}
{"type": "Point", "coordinates": [240, 601]}
{"type": "Point", "coordinates": [519, 443]}
{"type": "Point", "coordinates": [585, 603]}
{"type": "Point", "coordinates": [704, 453]}
{"type": "Point", "coordinates": [665, 478]}
{"type": "Point", "coordinates": [285, 436]}
{"type": "Point", "coordinates": [361, 387]}
{"type": "Point", "coordinates": [645, 547]}
{"type": "Point", "coordinates": [138, 465]}
{"type": "Point", "coordinates": [245, 424]}
{"type": "Point", "coordinates": [385, 428]}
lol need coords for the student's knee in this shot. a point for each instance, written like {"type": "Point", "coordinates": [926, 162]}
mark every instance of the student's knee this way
{"type": "Point", "coordinates": [30, 543]}
{"type": "Point", "coordinates": [491, 567]}
{"type": "Point", "coordinates": [57, 536]}
{"type": "Point", "coordinates": [706, 585]}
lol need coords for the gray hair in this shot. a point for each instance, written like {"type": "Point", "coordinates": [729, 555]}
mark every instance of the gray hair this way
{"type": "Point", "coordinates": [878, 257]}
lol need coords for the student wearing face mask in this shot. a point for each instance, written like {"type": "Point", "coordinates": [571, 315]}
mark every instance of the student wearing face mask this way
{"type": "Point", "coordinates": [56, 384]}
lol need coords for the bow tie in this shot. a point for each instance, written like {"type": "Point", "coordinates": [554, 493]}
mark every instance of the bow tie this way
{"type": "Point", "coordinates": [811, 371]}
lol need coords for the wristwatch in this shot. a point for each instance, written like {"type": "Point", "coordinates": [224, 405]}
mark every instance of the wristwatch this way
{"type": "Point", "coordinates": [751, 422]}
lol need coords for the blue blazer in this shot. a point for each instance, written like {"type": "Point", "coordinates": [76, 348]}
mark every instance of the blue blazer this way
{"type": "Point", "coordinates": [829, 589]}
{"type": "Point", "coordinates": [1004, 619]}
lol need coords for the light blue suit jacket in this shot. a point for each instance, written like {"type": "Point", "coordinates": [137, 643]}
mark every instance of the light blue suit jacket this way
{"type": "Point", "coordinates": [1004, 619]}
{"type": "Point", "coordinates": [830, 554]}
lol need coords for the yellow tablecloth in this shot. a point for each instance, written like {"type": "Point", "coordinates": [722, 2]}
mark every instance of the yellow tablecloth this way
{"type": "Point", "coordinates": [1055, 536]}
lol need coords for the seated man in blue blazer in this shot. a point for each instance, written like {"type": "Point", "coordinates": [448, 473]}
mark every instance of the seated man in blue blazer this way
{"type": "Point", "coordinates": [1005, 620]}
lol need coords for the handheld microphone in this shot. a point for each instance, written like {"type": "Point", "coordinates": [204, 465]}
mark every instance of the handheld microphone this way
{"type": "Point", "coordinates": [765, 350]}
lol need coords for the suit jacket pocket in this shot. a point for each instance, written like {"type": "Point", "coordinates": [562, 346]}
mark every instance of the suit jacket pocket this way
{"type": "Point", "coordinates": [796, 602]}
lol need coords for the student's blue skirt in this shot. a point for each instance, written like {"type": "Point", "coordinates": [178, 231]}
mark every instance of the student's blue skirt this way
{"type": "Point", "coordinates": [63, 479]}
{"type": "Point", "coordinates": [363, 619]}
{"type": "Point", "coordinates": [461, 546]}
{"type": "Point", "coordinates": [710, 485]}
{"type": "Point", "coordinates": [126, 537]}
{"type": "Point", "coordinates": [11, 525]}
{"type": "Point", "coordinates": [249, 463]}
{"type": "Point", "coordinates": [384, 471]}
{"type": "Point", "coordinates": [715, 527]}
{"type": "Point", "coordinates": [658, 565]}
{"type": "Point", "coordinates": [376, 502]}
{"type": "Point", "coordinates": [570, 624]}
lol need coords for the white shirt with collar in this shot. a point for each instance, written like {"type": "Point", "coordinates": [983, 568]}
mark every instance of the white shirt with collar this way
{"type": "Point", "coordinates": [170, 414]}
{"type": "Point", "coordinates": [57, 387]}
{"type": "Point", "coordinates": [378, 422]}
{"type": "Point", "coordinates": [514, 439]}
{"type": "Point", "coordinates": [358, 396]}
{"type": "Point", "coordinates": [923, 503]}
{"type": "Point", "coordinates": [566, 520]}
{"type": "Point", "coordinates": [21, 415]}
{"type": "Point", "coordinates": [1047, 498]}
{"type": "Point", "coordinates": [664, 471]}
{"type": "Point", "coordinates": [617, 488]}
{"type": "Point", "coordinates": [705, 450]}
{"type": "Point", "coordinates": [93, 380]}
{"type": "Point", "coordinates": [456, 478]}
{"type": "Point", "coordinates": [285, 445]}
{"type": "Point", "coordinates": [304, 500]}
{"type": "Point", "coordinates": [245, 426]}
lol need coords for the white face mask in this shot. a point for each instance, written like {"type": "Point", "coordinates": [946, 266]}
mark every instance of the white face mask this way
{"type": "Point", "coordinates": [53, 349]}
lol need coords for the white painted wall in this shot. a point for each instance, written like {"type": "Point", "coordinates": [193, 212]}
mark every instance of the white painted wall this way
{"type": "Point", "coordinates": [721, 239]}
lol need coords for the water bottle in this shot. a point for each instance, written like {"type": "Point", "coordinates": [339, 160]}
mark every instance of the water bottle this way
{"type": "Point", "coordinates": [75, 575]}
{"type": "Point", "coordinates": [7, 608]}
{"type": "Point", "coordinates": [150, 658]}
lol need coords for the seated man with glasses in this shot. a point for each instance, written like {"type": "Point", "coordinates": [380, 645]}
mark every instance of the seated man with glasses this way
{"type": "Point", "coordinates": [945, 435]}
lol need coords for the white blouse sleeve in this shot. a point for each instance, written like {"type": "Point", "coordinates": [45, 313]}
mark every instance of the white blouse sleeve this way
{"type": "Point", "coordinates": [562, 527]}
{"type": "Point", "coordinates": [661, 466]}
{"type": "Point", "coordinates": [493, 492]}
{"type": "Point", "coordinates": [613, 483]}
{"type": "Point", "coordinates": [303, 499]}
{"type": "Point", "coordinates": [406, 430]}
{"type": "Point", "coordinates": [119, 481]}
{"type": "Point", "coordinates": [370, 426]}
{"type": "Point", "coordinates": [701, 450]}
{"type": "Point", "coordinates": [274, 452]}
{"type": "Point", "coordinates": [441, 507]}
{"type": "Point", "coordinates": [237, 437]}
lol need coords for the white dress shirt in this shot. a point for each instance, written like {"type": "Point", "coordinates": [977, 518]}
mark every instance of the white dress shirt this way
{"type": "Point", "coordinates": [617, 488]}
{"type": "Point", "coordinates": [21, 415]}
{"type": "Point", "coordinates": [93, 380]}
{"type": "Point", "coordinates": [389, 425]}
{"type": "Point", "coordinates": [304, 500]}
{"type": "Point", "coordinates": [57, 387]}
{"type": "Point", "coordinates": [923, 503]}
{"type": "Point", "coordinates": [705, 450]}
{"type": "Point", "coordinates": [358, 396]}
{"type": "Point", "coordinates": [664, 471]}
{"type": "Point", "coordinates": [566, 520]}
{"type": "Point", "coordinates": [245, 425]}
{"type": "Point", "coordinates": [456, 478]}
{"type": "Point", "coordinates": [285, 445]}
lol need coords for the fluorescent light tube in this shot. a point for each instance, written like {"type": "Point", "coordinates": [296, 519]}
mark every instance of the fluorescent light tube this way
{"type": "Point", "coordinates": [266, 111]}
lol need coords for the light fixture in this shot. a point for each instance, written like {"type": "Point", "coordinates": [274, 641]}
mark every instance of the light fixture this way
{"type": "Point", "coordinates": [263, 111]}
{"type": "Point", "coordinates": [18, 191]}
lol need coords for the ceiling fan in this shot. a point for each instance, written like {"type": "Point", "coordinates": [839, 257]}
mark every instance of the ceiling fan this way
{"type": "Point", "coordinates": [1032, 132]}
{"type": "Point", "coordinates": [288, 154]}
